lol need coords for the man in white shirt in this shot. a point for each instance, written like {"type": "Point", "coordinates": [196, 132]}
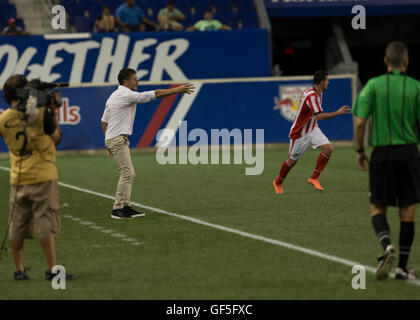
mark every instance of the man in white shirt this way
{"type": "Point", "coordinates": [117, 125]}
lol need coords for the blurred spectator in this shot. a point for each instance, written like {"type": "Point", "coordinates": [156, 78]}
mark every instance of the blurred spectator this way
{"type": "Point", "coordinates": [208, 24]}
{"type": "Point", "coordinates": [129, 17]}
{"type": "Point", "coordinates": [106, 22]}
{"type": "Point", "coordinates": [168, 17]}
{"type": "Point", "coordinates": [12, 29]}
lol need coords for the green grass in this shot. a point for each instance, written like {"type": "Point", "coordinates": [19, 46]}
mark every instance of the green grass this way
{"type": "Point", "coordinates": [179, 259]}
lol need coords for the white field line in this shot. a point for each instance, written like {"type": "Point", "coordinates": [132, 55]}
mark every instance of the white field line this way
{"type": "Point", "coordinates": [235, 231]}
{"type": "Point", "coordinates": [113, 234]}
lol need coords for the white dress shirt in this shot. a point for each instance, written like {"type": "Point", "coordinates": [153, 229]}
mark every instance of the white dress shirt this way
{"type": "Point", "coordinates": [120, 110]}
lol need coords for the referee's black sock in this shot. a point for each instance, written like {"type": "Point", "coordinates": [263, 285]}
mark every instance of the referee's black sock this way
{"type": "Point", "coordinates": [406, 240]}
{"type": "Point", "coordinates": [382, 229]}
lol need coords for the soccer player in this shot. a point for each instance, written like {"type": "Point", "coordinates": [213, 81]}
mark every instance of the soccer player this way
{"type": "Point", "coordinates": [117, 124]}
{"type": "Point", "coordinates": [305, 131]}
{"type": "Point", "coordinates": [393, 101]}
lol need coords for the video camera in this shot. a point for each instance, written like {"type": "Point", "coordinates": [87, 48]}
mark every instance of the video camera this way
{"type": "Point", "coordinates": [39, 89]}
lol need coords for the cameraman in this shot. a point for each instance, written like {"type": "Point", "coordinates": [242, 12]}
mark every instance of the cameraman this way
{"type": "Point", "coordinates": [33, 176]}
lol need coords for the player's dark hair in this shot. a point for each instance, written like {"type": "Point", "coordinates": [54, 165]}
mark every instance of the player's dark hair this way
{"type": "Point", "coordinates": [125, 74]}
{"type": "Point", "coordinates": [395, 53]}
{"type": "Point", "coordinates": [319, 76]}
{"type": "Point", "coordinates": [9, 89]}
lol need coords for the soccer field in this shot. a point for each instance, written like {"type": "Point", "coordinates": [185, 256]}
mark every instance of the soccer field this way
{"type": "Point", "coordinates": [232, 246]}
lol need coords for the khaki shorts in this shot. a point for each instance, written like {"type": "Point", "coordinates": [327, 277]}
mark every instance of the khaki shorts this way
{"type": "Point", "coordinates": [36, 207]}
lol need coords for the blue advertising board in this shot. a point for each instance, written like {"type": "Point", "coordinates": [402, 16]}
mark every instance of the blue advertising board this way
{"type": "Point", "coordinates": [268, 104]}
{"type": "Point", "coordinates": [156, 56]}
{"type": "Point", "coordinates": [331, 8]}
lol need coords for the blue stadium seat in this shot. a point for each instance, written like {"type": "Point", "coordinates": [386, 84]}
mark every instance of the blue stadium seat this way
{"type": "Point", "coordinates": [249, 19]}
{"type": "Point", "coordinates": [202, 6]}
{"type": "Point", "coordinates": [143, 5]}
{"type": "Point", "coordinates": [183, 3]}
{"type": "Point", "coordinates": [20, 23]}
{"type": "Point", "coordinates": [223, 5]}
{"type": "Point", "coordinates": [184, 7]}
{"type": "Point", "coordinates": [95, 9]}
{"type": "Point", "coordinates": [65, 3]}
{"type": "Point", "coordinates": [82, 24]}
{"type": "Point", "coordinates": [229, 18]}
{"type": "Point", "coordinates": [190, 20]}
{"type": "Point", "coordinates": [158, 4]}
{"type": "Point", "coordinates": [245, 5]}
{"type": "Point", "coordinates": [75, 10]}
{"type": "Point", "coordinates": [8, 11]}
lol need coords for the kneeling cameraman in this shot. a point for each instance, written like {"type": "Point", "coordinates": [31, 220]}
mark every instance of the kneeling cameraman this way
{"type": "Point", "coordinates": [31, 133]}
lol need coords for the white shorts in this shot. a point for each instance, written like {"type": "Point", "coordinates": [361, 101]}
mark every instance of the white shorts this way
{"type": "Point", "coordinates": [298, 147]}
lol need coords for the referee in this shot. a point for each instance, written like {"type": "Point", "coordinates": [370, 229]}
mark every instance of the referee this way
{"type": "Point", "coordinates": [393, 101]}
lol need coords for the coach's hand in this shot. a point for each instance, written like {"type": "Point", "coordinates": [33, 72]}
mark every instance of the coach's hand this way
{"type": "Point", "coordinates": [186, 88]}
{"type": "Point", "coordinates": [344, 110]}
{"type": "Point", "coordinates": [362, 160]}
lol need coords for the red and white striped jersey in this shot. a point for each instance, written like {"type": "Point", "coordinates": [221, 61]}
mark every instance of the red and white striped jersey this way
{"type": "Point", "coordinates": [305, 120]}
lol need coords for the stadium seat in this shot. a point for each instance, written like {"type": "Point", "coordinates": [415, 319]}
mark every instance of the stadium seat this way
{"type": "Point", "coordinates": [184, 7]}
{"type": "Point", "coordinates": [190, 20]}
{"type": "Point", "coordinates": [223, 5]}
{"type": "Point", "coordinates": [143, 5]}
{"type": "Point", "coordinates": [245, 5]}
{"type": "Point", "coordinates": [82, 24]}
{"type": "Point", "coordinates": [8, 11]}
{"type": "Point", "coordinates": [75, 10]}
{"type": "Point", "coordinates": [229, 18]}
{"type": "Point", "coordinates": [95, 9]}
{"type": "Point", "coordinates": [249, 20]}
{"type": "Point", "coordinates": [65, 3]}
{"type": "Point", "coordinates": [20, 23]}
{"type": "Point", "coordinates": [202, 6]}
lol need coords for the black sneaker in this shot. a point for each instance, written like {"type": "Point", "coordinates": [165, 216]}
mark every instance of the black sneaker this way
{"type": "Point", "coordinates": [120, 214]}
{"type": "Point", "coordinates": [133, 213]}
{"type": "Point", "coordinates": [385, 263]}
{"type": "Point", "coordinates": [21, 275]}
{"type": "Point", "coordinates": [50, 275]}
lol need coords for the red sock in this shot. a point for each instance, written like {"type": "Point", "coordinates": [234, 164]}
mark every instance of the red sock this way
{"type": "Point", "coordinates": [320, 165]}
{"type": "Point", "coordinates": [285, 168]}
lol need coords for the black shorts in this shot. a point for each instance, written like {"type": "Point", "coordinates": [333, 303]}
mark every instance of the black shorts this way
{"type": "Point", "coordinates": [394, 176]}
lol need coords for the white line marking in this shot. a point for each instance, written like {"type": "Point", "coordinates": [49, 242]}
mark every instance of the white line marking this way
{"type": "Point", "coordinates": [235, 231]}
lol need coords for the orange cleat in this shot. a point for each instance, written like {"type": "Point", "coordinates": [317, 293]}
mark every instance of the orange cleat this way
{"type": "Point", "coordinates": [278, 187]}
{"type": "Point", "coordinates": [316, 184]}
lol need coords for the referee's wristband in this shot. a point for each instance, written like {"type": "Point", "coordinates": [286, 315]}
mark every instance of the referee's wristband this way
{"type": "Point", "coordinates": [361, 150]}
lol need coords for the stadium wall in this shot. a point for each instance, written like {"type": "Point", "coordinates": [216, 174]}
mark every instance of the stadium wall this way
{"type": "Point", "coordinates": [253, 103]}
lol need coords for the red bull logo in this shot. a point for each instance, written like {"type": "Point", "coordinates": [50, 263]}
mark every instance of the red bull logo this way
{"type": "Point", "coordinates": [287, 103]}
{"type": "Point", "coordinates": [68, 115]}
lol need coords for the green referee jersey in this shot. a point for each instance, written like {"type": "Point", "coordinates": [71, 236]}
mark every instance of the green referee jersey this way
{"type": "Point", "coordinates": [393, 100]}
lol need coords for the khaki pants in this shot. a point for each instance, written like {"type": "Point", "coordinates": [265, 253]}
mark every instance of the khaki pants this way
{"type": "Point", "coordinates": [36, 205]}
{"type": "Point", "coordinates": [118, 147]}
{"type": "Point", "coordinates": [168, 24]}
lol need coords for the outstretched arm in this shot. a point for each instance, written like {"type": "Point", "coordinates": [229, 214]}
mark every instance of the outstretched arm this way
{"type": "Point", "coordinates": [185, 88]}
{"type": "Point", "coordinates": [329, 115]}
